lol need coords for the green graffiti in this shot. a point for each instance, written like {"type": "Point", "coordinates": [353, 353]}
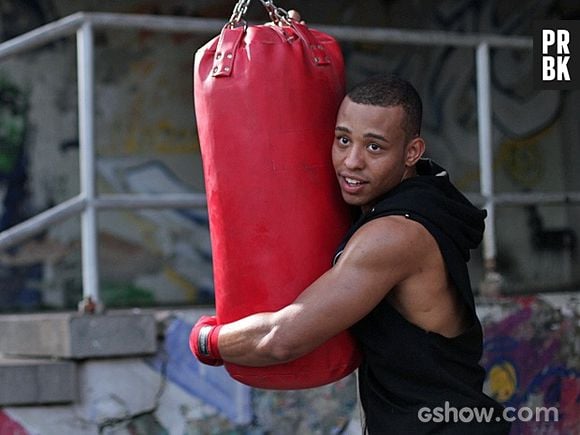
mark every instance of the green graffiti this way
{"type": "Point", "coordinates": [13, 111]}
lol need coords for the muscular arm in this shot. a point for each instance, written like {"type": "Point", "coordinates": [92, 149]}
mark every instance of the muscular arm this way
{"type": "Point", "coordinates": [379, 256]}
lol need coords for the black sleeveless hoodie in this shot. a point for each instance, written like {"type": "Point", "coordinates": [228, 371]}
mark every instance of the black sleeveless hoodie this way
{"type": "Point", "coordinates": [406, 368]}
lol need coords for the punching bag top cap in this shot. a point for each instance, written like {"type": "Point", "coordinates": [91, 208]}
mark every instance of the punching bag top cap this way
{"type": "Point", "coordinates": [230, 39]}
{"type": "Point", "coordinates": [235, 28]}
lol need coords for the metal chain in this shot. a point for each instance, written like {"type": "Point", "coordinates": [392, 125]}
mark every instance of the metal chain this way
{"type": "Point", "coordinates": [240, 10]}
{"type": "Point", "coordinates": [277, 15]}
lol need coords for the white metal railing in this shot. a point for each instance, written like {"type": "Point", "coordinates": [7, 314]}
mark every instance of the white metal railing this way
{"type": "Point", "coordinates": [88, 202]}
{"type": "Point", "coordinates": [485, 130]}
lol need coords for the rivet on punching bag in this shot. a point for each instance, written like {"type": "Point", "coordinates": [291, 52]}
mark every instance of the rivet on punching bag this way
{"type": "Point", "coordinates": [266, 99]}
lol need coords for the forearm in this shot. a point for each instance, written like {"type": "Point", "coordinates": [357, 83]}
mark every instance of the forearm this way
{"type": "Point", "coordinates": [252, 341]}
{"type": "Point", "coordinates": [327, 307]}
{"type": "Point", "coordinates": [258, 340]}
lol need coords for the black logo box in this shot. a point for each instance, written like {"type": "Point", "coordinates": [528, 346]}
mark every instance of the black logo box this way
{"type": "Point", "coordinates": [573, 63]}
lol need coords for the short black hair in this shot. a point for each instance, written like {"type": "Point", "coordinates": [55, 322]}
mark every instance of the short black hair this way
{"type": "Point", "coordinates": [389, 90]}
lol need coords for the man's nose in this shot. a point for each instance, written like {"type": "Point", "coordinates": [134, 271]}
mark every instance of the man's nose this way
{"type": "Point", "coordinates": [354, 158]}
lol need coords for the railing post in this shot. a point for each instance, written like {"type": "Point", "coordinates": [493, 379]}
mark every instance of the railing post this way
{"type": "Point", "coordinates": [89, 225]}
{"type": "Point", "coordinates": [485, 127]}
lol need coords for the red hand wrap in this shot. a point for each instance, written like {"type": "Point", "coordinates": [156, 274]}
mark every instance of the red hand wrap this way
{"type": "Point", "coordinates": [203, 341]}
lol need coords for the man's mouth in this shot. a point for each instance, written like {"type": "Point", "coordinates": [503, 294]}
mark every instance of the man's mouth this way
{"type": "Point", "coordinates": [352, 181]}
{"type": "Point", "coordinates": [352, 185]}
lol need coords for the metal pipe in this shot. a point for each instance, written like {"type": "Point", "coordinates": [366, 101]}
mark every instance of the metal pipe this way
{"type": "Point", "coordinates": [41, 222]}
{"type": "Point", "coordinates": [75, 205]}
{"type": "Point", "coordinates": [140, 201]}
{"type": "Point", "coordinates": [485, 127]}
{"type": "Point", "coordinates": [346, 33]}
{"type": "Point", "coordinates": [521, 198]}
{"type": "Point", "coordinates": [424, 37]}
{"type": "Point", "coordinates": [66, 26]}
{"type": "Point", "coordinates": [537, 198]}
{"type": "Point", "coordinates": [166, 24]}
{"type": "Point", "coordinates": [89, 224]}
{"type": "Point", "coordinates": [41, 35]}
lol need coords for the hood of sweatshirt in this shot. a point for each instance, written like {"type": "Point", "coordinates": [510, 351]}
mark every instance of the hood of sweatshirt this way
{"type": "Point", "coordinates": [431, 197]}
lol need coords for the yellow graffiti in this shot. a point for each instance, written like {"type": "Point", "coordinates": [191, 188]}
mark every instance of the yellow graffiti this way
{"type": "Point", "coordinates": [144, 67]}
{"type": "Point", "coordinates": [131, 145]}
{"type": "Point", "coordinates": [161, 138]}
{"type": "Point", "coordinates": [502, 381]}
{"type": "Point", "coordinates": [523, 161]}
{"type": "Point", "coordinates": [521, 158]}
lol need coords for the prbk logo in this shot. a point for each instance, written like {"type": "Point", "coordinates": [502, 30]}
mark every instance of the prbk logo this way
{"type": "Point", "coordinates": [557, 54]}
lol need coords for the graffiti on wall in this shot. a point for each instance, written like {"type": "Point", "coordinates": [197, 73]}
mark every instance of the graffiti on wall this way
{"type": "Point", "coordinates": [530, 354]}
{"type": "Point", "coordinates": [9, 426]}
{"type": "Point", "coordinates": [531, 359]}
{"type": "Point", "coordinates": [146, 139]}
{"type": "Point", "coordinates": [146, 144]}
{"type": "Point", "coordinates": [13, 164]}
{"type": "Point", "coordinates": [445, 77]}
{"type": "Point", "coordinates": [526, 121]}
{"type": "Point", "coordinates": [15, 281]}
{"type": "Point", "coordinates": [236, 408]}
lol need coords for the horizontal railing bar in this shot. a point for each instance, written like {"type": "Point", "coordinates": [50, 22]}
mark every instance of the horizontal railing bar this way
{"type": "Point", "coordinates": [198, 200]}
{"type": "Point", "coordinates": [346, 33]}
{"type": "Point", "coordinates": [42, 35]}
{"type": "Point", "coordinates": [423, 37]}
{"type": "Point", "coordinates": [68, 25]}
{"type": "Point", "coordinates": [158, 200]}
{"type": "Point", "coordinates": [158, 23]}
{"type": "Point", "coordinates": [522, 198]}
{"type": "Point", "coordinates": [536, 198]}
{"type": "Point", "coordinates": [41, 221]}
{"type": "Point", "coordinates": [75, 205]}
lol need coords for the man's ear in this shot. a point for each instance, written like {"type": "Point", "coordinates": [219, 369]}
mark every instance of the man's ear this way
{"type": "Point", "coordinates": [414, 151]}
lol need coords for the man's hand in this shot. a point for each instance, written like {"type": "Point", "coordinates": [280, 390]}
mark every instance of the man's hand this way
{"type": "Point", "coordinates": [203, 341]}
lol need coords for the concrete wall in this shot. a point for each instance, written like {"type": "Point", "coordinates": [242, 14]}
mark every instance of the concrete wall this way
{"type": "Point", "coordinates": [171, 393]}
{"type": "Point", "coordinates": [530, 354]}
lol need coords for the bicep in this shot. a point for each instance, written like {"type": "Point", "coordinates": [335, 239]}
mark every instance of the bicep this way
{"type": "Point", "coordinates": [369, 268]}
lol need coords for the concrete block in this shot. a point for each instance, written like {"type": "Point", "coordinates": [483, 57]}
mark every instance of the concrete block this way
{"type": "Point", "coordinates": [36, 382]}
{"type": "Point", "coordinates": [78, 336]}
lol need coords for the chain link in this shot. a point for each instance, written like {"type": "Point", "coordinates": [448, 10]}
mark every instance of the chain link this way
{"type": "Point", "coordinates": [240, 10]}
{"type": "Point", "coordinates": [278, 15]}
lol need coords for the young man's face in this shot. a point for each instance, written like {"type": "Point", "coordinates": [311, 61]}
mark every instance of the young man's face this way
{"type": "Point", "coordinates": [370, 152]}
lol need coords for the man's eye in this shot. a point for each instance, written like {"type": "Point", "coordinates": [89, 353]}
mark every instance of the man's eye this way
{"type": "Point", "coordinates": [374, 147]}
{"type": "Point", "coordinates": [343, 140]}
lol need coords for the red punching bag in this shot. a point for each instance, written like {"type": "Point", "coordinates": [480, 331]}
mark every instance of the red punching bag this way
{"type": "Point", "coordinates": [266, 99]}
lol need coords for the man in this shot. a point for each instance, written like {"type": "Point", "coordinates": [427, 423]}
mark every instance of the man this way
{"type": "Point", "coordinates": [399, 281]}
